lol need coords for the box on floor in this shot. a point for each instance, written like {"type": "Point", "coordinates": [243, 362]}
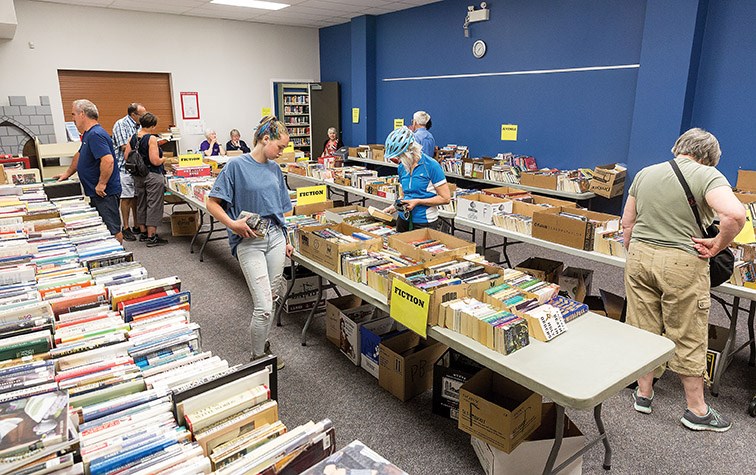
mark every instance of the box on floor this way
{"type": "Point", "coordinates": [406, 364]}
{"type": "Point", "coordinates": [576, 282]}
{"type": "Point", "coordinates": [184, 223]}
{"type": "Point", "coordinates": [497, 410]}
{"type": "Point", "coordinates": [542, 269]}
{"type": "Point", "coordinates": [303, 295]}
{"type": "Point", "coordinates": [531, 456]}
{"type": "Point", "coordinates": [449, 374]}
{"type": "Point", "coordinates": [371, 335]}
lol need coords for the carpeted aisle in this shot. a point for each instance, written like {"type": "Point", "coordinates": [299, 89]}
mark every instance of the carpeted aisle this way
{"type": "Point", "coordinates": [319, 382]}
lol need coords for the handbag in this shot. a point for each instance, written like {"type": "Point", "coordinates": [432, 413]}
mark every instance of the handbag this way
{"type": "Point", "coordinates": [720, 266]}
{"type": "Point", "coordinates": [134, 163]}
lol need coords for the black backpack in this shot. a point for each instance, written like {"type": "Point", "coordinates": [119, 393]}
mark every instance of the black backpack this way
{"type": "Point", "coordinates": [134, 163]}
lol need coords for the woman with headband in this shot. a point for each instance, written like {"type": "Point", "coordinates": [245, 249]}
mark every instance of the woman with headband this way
{"type": "Point", "coordinates": [253, 183]}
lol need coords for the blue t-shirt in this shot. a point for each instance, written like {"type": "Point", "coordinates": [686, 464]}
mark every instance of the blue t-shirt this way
{"type": "Point", "coordinates": [425, 138]}
{"type": "Point", "coordinates": [246, 185]}
{"type": "Point", "coordinates": [95, 144]}
{"type": "Point", "coordinates": [421, 184]}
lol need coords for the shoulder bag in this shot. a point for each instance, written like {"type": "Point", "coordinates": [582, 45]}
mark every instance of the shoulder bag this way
{"type": "Point", "coordinates": [134, 163]}
{"type": "Point", "coordinates": [720, 266]}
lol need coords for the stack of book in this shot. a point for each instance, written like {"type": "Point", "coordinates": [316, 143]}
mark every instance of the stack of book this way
{"type": "Point", "coordinates": [575, 181]}
{"type": "Point", "coordinates": [449, 273]}
{"type": "Point", "coordinates": [357, 265]}
{"type": "Point", "coordinates": [493, 327]}
{"type": "Point", "coordinates": [518, 223]}
{"type": "Point", "coordinates": [337, 237]}
{"type": "Point", "coordinates": [503, 173]}
{"type": "Point", "coordinates": [432, 246]}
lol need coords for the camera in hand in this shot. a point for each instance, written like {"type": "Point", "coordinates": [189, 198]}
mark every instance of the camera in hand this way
{"type": "Point", "coordinates": [256, 223]}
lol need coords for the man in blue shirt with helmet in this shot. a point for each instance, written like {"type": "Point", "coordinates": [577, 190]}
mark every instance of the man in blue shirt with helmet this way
{"type": "Point", "coordinates": [423, 182]}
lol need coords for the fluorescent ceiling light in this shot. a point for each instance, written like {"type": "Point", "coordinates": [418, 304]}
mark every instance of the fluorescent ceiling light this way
{"type": "Point", "coordinates": [252, 4]}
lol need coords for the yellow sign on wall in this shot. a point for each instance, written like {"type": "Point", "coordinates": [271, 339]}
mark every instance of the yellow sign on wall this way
{"type": "Point", "coordinates": [266, 111]}
{"type": "Point", "coordinates": [190, 160]}
{"type": "Point", "coordinates": [355, 115]}
{"type": "Point", "coordinates": [307, 195]}
{"type": "Point", "coordinates": [509, 132]}
{"type": "Point", "coordinates": [409, 306]}
{"type": "Point", "coordinates": [398, 123]}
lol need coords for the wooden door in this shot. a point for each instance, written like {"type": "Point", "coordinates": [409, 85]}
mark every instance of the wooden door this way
{"type": "Point", "coordinates": [113, 91]}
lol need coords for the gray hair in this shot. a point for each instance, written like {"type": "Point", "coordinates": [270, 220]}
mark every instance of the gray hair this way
{"type": "Point", "coordinates": [699, 144]}
{"type": "Point", "coordinates": [331, 129]}
{"type": "Point", "coordinates": [87, 107]}
{"type": "Point", "coordinates": [234, 131]}
{"type": "Point", "coordinates": [208, 132]}
{"type": "Point", "coordinates": [421, 118]}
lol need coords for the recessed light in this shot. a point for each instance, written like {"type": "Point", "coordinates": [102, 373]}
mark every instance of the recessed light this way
{"type": "Point", "coordinates": [252, 4]}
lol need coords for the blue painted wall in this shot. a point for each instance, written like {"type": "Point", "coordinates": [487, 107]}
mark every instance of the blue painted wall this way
{"type": "Point", "coordinates": [336, 65]}
{"type": "Point", "coordinates": [697, 69]}
{"type": "Point", "coordinates": [725, 102]}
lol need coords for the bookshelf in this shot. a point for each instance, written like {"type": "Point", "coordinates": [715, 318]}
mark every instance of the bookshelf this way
{"type": "Point", "coordinates": [308, 110]}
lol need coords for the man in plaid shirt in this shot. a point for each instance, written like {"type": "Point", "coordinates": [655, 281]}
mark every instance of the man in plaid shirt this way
{"type": "Point", "coordinates": [123, 130]}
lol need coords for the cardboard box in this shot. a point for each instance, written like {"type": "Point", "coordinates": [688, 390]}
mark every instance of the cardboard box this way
{"type": "Point", "coordinates": [334, 309]}
{"type": "Point", "coordinates": [531, 456]}
{"type": "Point", "coordinates": [449, 374]}
{"type": "Point", "coordinates": [184, 223]}
{"type": "Point", "coordinates": [313, 208]}
{"type": "Point", "coordinates": [303, 295]}
{"type": "Point", "coordinates": [576, 282]}
{"type": "Point", "coordinates": [550, 226]}
{"type": "Point", "coordinates": [746, 197]}
{"type": "Point", "coordinates": [606, 244]}
{"type": "Point", "coordinates": [545, 200]}
{"type": "Point", "coordinates": [746, 181]}
{"type": "Point", "coordinates": [349, 335]}
{"type": "Point", "coordinates": [539, 180]}
{"type": "Point", "coordinates": [354, 151]}
{"type": "Point", "coordinates": [329, 253]}
{"type": "Point", "coordinates": [508, 192]}
{"type": "Point", "coordinates": [717, 341]}
{"type": "Point", "coordinates": [332, 215]}
{"type": "Point", "coordinates": [608, 304]}
{"type": "Point", "coordinates": [608, 180]}
{"type": "Point", "coordinates": [457, 247]}
{"type": "Point", "coordinates": [287, 157]}
{"type": "Point", "coordinates": [481, 207]}
{"type": "Point", "coordinates": [542, 269]}
{"type": "Point", "coordinates": [450, 292]}
{"type": "Point", "coordinates": [371, 335]}
{"type": "Point", "coordinates": [406, 364]}
{"type": "Point", "coordinates": [498, 411]}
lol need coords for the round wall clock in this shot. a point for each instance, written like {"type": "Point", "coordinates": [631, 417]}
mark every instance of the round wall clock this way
{"type": "Point", "coordinates": [479, 49]}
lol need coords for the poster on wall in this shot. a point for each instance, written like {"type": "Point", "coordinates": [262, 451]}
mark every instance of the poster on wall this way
{"type": "Point", "coordinates": [190, 106]}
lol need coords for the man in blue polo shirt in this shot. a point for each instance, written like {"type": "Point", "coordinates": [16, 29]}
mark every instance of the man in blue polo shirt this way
{"type": "Point", "coordinates": [95, 166]}
{"type": "Point", "coordinates": [422, 136]}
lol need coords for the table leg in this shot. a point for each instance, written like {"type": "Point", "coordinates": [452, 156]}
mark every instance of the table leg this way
{"type": "Point", "coordinates": [604, 438]}
{"type": "Point", "coordinates": [289, 287]}
{"type": "Point", "coordinates": [751, 336]}
{"type": "Point", "coordinates": [726, 351]}
{"type": "Point", "coordinates": [312, 312]}
{"type": "Point", "coordinates": [504, 246]}
{"type": "Point", "coordinates": [196, 233]}
{"type": "Point", "coordinates": [558, 436]}
{"type": "Point", "coordinates": [207, 238]}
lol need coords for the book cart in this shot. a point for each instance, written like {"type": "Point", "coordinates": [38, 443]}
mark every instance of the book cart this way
{"type": "Point", "coordinates": [577, 370]}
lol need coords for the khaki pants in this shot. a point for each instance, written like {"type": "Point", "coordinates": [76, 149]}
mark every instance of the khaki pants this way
{"type": "Point", "coordinates": [668, 294]}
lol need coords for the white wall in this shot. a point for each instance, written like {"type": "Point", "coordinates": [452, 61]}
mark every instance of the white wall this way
{"type": "Point", "coordinates": [247, 56]}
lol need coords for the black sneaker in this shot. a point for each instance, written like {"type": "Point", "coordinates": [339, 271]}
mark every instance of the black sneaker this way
{"type": "Point", "coordinates": [128, 235]}
{"type": "Point", "coordinates": [642, 404]}
{"type": "Point", "coordinates": [713, 421]}
{"type": "Point", "coordinates": [156, 240]}
{"type": "Point", "coordinates": [143, 237]}
{"type": "Point", "coordinates": [136, 230]}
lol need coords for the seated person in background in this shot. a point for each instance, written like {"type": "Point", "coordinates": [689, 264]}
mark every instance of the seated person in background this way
{"type": "Point", "coordinates": [236, 143]}
{"type": "Point", "coordinates": [332, 144]}
{"type": "Point", "coordinates": [210, 146]}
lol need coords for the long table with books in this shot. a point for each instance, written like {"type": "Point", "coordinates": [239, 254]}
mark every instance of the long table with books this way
{"type": "Point", "coordinates": [587, 196]}
{"type": "Point", "coordinates": [577, 370]}
{"type": "Point", "coordinates": [732, 310]}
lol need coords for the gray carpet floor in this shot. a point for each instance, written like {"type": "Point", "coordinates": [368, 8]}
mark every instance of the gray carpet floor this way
{"type": "Point", "coordinates": [319, 382]}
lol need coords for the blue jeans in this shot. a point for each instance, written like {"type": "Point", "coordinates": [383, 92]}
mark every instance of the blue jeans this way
{"type": "Point", "coordinates": [262, 263]}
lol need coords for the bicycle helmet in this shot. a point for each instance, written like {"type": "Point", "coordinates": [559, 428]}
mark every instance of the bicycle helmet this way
{"type": "Point", "coordinates": [398, 141]}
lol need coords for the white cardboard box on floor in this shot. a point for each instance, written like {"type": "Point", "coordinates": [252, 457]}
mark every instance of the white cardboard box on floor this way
{"type": "Point", "coordinates": [529, 458]}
